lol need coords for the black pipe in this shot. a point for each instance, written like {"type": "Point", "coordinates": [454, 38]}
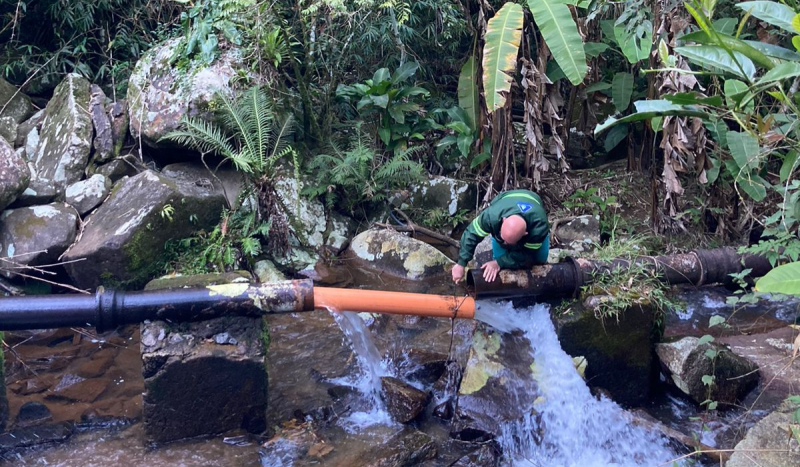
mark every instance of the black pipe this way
{"type": "Point", "coordinates": [567, 278]}
{"type": "Point", "coordinates": [108, 308]}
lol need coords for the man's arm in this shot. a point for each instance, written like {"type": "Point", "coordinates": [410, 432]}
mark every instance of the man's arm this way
{"type": "Point", "coordinates": [475, 232]}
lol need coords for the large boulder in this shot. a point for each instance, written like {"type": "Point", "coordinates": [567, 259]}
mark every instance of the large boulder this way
{"type": "Point", "coordinates": [498, 371]}
{"type": "Point", "coordinates": [103, 139]}
{"type": "Point", "coordinates": [771, 442]}
{"type": "Point", "coordinates": [160, 95]}
{"type": "Point", "coordinates": [66, 136]}
{"type": "Point", "coordinates": [444, 196]}
{"type": "Point", "coordinates": [619, 352]}
{"type": "Point", "coordinates": [37, 235]}
{"type": "Point", "coordinates": [403, 401]}
{"type": "Point", "coordinates": [123, 240]}
{"type": "Point", "coordinates": [688, 361]}
{"type": "Point", "coordinates": [580, 234]}
{"type": "Point", "coordinates": [399, 255]}
{"type": "Point", "coordinates": [13, 103]}
{"type": "Point", "coordinates": [87, 194]}
{"type": "Point", "coordinates": [28, 134]}
{"type": "Point", "coordinates": [14, 174]}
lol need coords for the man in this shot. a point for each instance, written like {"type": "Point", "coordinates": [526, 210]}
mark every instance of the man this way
{"type": "Point", "coordinates": [517, 222]}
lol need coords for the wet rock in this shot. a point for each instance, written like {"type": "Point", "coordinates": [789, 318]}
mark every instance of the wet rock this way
{"type": "Point", "coordinates": [33, 437]}
{"type": "Point", "coordinates": [423, 366]}
{"type": "Point", "coordinates": [405, 449]}
{"type": "Point", "coordinates": [31, 414]}
{"type": "Point", "coordinates": [580, 234]}
{"type": "Point", "coordinates": [619, 353]}
{"type": "Point", "coordinates": [769, 443]}
{"type": "Point", "coordinates": [66, 137]}
{"type": "Point", "coordinates": [160, 95]}
{"type": "Point", "coordinates": [125, 166]}
{"type": "Point", "coordinates": [37, 235]}
{"type": "Point", "coordinates": [91, 420]}
{"type": "Point", "coordinates": [103, 139]}
{"type": "Point", "coordinates": [227, 181]}
{"type": "Point", "coordinates": [308, 223]}
{"type": "Point", "coordinates": [14, 104]}
{"type": "Point", "coordinates": [341, 391]}
{"type": "Point", "coordinates": [403, 401]}
{"type": "Point", "coordinates": [441, 194]}
{"type": "Point", "coordinates": [340, 231]}
{"type": "Point", "coordinates": [14, 174]}
{"type": "Point", "coordinates": [487, 456]}
{"type": "Point", "coordinates": [84, 390]}
{"type": "Point", "coordinates": [391, 252]}
{"type": "Point", "coordinates": [195, 386]}
{"type": "Point", "coordinates": [87, 194]}
{"type": "Point", "coordinates": [287, 447]}
{"type": "Point", "coordinates": [96, 366]}
{"type": "Point", "coordinates": [687, 361]}
{"type": "Point", "coordinates": [123, 239]}
{"type": "Point", "coordinates": [199, 280]}
{"type": "Point", "coordinates": [267, 272]}
{"type": "Point", "coordinates": [498, 366]}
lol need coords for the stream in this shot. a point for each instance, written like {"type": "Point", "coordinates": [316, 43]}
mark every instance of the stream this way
{"type": "Point", "coordinates": [315, 354]}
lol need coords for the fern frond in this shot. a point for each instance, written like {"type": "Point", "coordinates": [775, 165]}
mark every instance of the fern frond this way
{"type": "Point", "coordinates": [233, 118]}
{"type": "Point", "coordinates": [202, 136]}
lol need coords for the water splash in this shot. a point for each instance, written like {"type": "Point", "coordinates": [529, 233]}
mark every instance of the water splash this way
{"type": "Point", "coordinates": [578, 429]}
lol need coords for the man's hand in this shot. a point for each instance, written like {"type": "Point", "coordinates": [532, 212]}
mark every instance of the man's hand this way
{"type": "Point", "coordinates": [490, 271]}
{"type": "Point", "coordinates": [458, 273]}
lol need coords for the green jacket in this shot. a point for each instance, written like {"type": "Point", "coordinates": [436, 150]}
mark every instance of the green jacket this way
{"type": "Point", "coordinates": [516, 202]}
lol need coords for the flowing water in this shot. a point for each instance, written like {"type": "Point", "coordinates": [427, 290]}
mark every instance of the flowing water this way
{"type": "Point", "coordinates": [579, 430]}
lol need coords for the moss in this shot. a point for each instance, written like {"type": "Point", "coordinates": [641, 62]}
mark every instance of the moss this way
{"type": "Point", "coordinates": [31, 225]}
{"type": "Point", "coordinates": [481, 365]}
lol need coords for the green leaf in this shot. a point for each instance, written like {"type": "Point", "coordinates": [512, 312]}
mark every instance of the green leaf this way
{"type": "Point", "coordinates": [796, 23]}
{"type": "Point", "coordinates": [744, 149]}
{"type": "Point", "coordinates": [663, 51]}
{"type": "Point", "coordinates": [554, 19]}
{"type": "Point", "coordinates": [464, 143]}
{"type": "Point", "coordinates": [600, 86]}
{"type": "Point", "coordinates": [405, 71]}
{"type": "Point", "coordinates": [716, 320]}
{"type": "Point", "coordinates": [796, 42]}
{"type": "Point", "coordinates": [554, 72]}
{"type": "Point", "coordinates": [621, 90]}
{"type": "Point", "coordinates": [789, 165]}
{"type": "Point", "coordinates": [780, 72]}
{"type": "Point", "coordinates": [711, 56]}
{"type": "Point", "coordinates": [705, 339]}
{"type": "Point", "coordinates": [707, 380]}
{"type": "Point", "coordinates": [381, 101]}
{"type": "Point", "coordinates": [753, 185]}
{"type": "Point", "coordinates": [693, 98]}
{"type": "Point", "coordinates": [615, 136]}
{"type": "Point", "coordinates": [480, 159]}
{"type": "Point", "coordinates": [633, 48]}
{"type": "Point", "coordinates": [502, 39]}
{"type": "Point", "coordinates": [730, 43]}
{"type": "Point", "coordinates": [646, 110]}
{"type": "Point", "coordinates": [774, 51]}
{"type": "Point", "coordinates": [710, 353]}
{"type": "Point", "coordinates": [726, 25]}
{"type": "Point", "coordinates": [594, 49]}
{"type": "Point", "coordinates": [773, 13]}
{"type": "Point", "coordinates": [468, 94]}
{"type": "Point", "coordinates": [712, 405]}
{"type": "Point", "coordinates": [784, 279]}
{"type": "Point", "coordinates": [386, 135]}
{"type": "Point", "coordinates": [736, 92]}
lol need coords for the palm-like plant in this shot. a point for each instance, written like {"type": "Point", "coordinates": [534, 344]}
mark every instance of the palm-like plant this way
{"type": "Point", "coordinates": [249, 133]}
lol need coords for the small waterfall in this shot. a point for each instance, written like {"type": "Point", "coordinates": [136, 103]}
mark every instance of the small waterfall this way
{"type": "Point", "coordinates": [578, 430]}
{"type": "Point", "coordinates": [373, 369]}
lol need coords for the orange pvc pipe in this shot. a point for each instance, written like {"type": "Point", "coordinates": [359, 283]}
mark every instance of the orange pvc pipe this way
{"type": "Point", "coordinates": [396, 303]}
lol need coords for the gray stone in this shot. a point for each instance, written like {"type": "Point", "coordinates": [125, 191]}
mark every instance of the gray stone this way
{"type": "Point", "coordinates": [31, 437]}
{"type": "Point", "coordinates": [31, 414]}
{"type": "Point", "coordinates": [28, 134]}
{"type": "Point", "coordinates": [307, 217]}
{"type": "Point", "coordinates": [14, 103]}
{"type": "Point", "coordinates": [8, 129]}
{"type": "Point", "coordinates": [769, 443]}
{"type": "Point", "coordinates": [267, 272]}
{"type": "Point", "coordinates": [37, 193]}
{"type": "Point", "coordinates": [340, 231]}
{"type": "Point", "coordinates": [620, 353]}
{"type": "Point", "coordinates": [198, 280]}
{"type": "Point", "coordinates": [397, 254]}
{"type": "Point", "coordinates": [103, 138]}
{"type": "Point", "coordinates": [227, 181]}
{"type": "Point", "coordinates": [403, 401]}
{"type": "Point", "coordinates": [14, 174]}
{"type": "Point", "coordinates": [580, 234]}
{"type": "Point", "coordinates": [498, 366]}
{"type": "Point", "coordinates": [88, 194]}
{"type": "Point", "coordinates": [685, 362]}
{"type": "Point", "coordinates": [120, 121]}
{"type": "Point", "coordinates": [124, 166]}
{"type": "Point", "coordinates": [487, 456]}
{"type": "Point", "coordinates": [423, 365]}
{"type": "Point", "coordinates": [36, 235]}
{"type": "Point", "coordinates": [160, 95]}
{"type": "Point", "coordinates": [123, 239]}
{"type": "Point", "coordinates": [406, 449]}
{"type": "Point", "coordinates": [195, 386]}
{"type": "Point", "coordinates": [66, 136]}
{"type": "Point", "coordinates": [446, 195]}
